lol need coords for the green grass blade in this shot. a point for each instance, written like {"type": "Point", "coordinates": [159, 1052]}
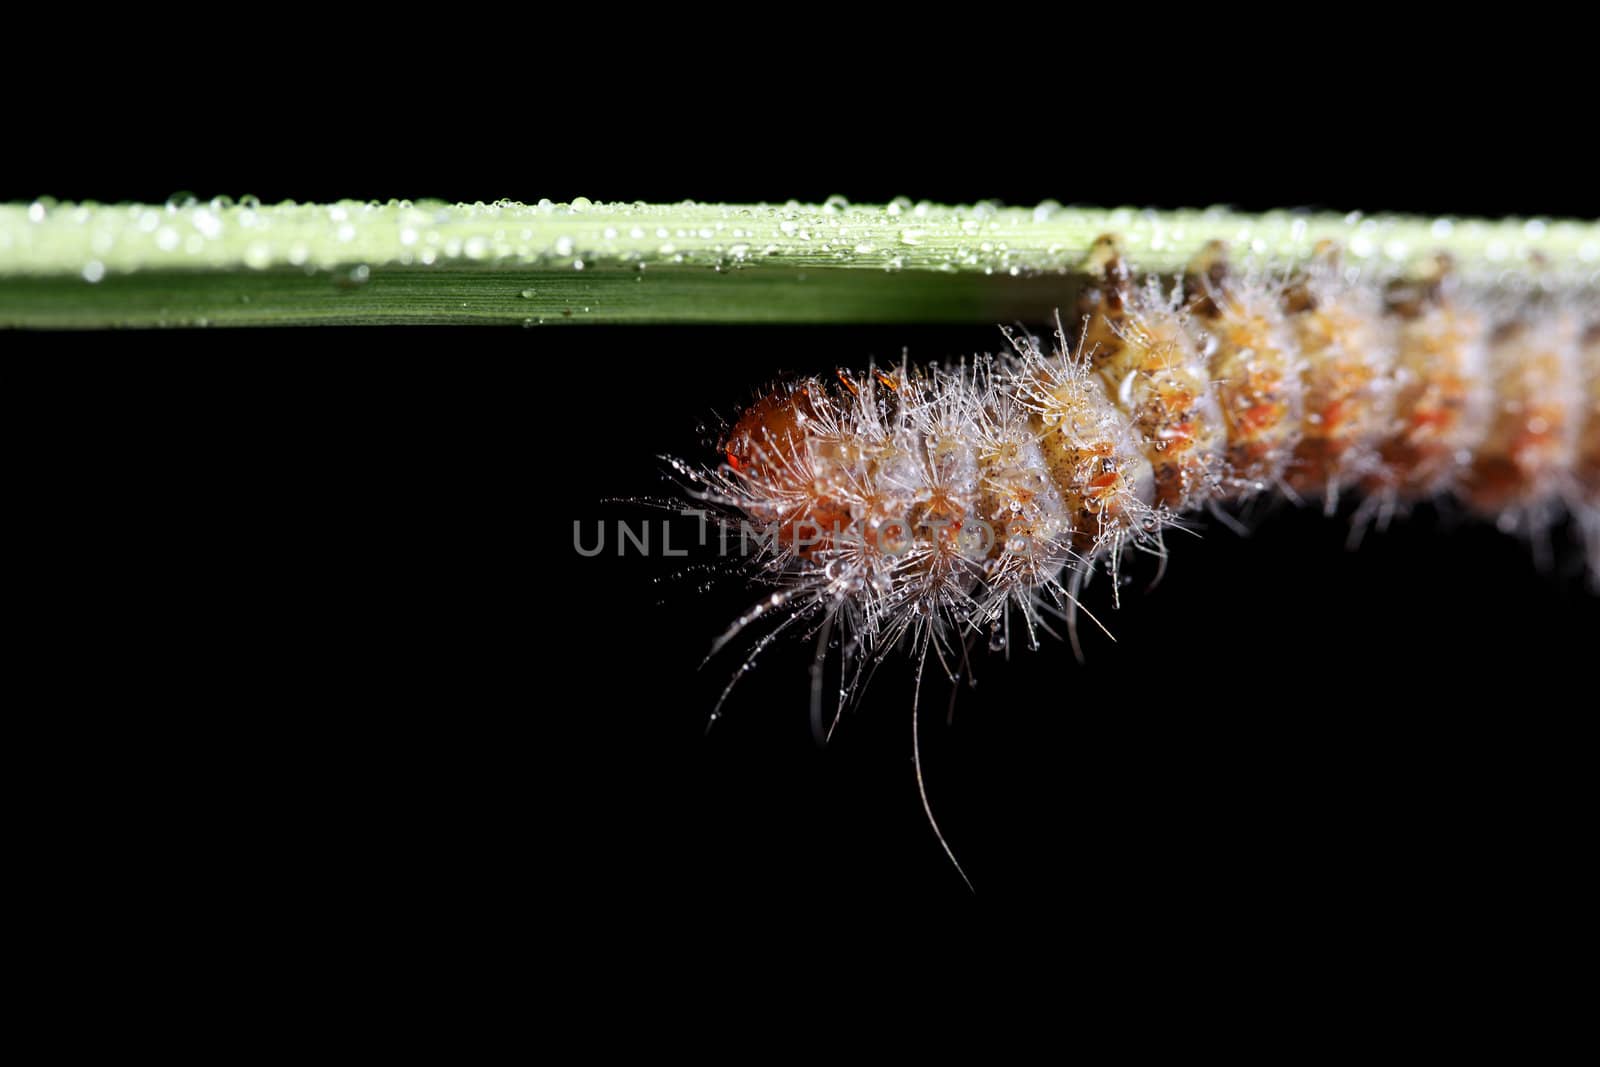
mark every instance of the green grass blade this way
{"type": "Point", "coordinates": [224, 263]}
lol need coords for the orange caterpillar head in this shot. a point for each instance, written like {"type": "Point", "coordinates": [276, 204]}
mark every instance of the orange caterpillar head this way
{"type": "Point", "coordinates": [772, 450]}
{"type": "Point", "coordinates": [769, 437]}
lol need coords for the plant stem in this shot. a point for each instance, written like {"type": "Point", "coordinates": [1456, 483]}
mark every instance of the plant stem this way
{"type": "Point", "coordinates": [224, 263]}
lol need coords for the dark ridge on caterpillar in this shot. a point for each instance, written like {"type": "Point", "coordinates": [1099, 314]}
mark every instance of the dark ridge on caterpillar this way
{"type": "Point", "coordinates": [909, 501]}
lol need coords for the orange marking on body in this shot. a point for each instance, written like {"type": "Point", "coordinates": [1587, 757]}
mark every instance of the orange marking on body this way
{"type": "Point", "coordinates": [1333, 418]}
{"type": "Point", "coordinates": [1176, 401]}
{"type": "Point", "coordinates": [1433, 418]}
{"type": "Point", "coordinates": [1259, 417]}
{"type": "Point", "coordinates": [1105, 481]}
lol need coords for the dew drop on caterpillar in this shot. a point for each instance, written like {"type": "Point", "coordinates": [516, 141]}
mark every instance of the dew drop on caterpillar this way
{"type": "Point", "coordinates": [933, 508]}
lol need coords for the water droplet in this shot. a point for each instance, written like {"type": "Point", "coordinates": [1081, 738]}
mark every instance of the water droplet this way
{"type": "Point", "coordinates": [563, 246]}
{"type": "Point", "coordinates": [580, 204]}
{"type": "Point", "coordinates": [528, 294]}
{"type": "Point", "coordinates": [360, 274]}
{"type": "Point", "coordinates": [93, 271]}
{"type": "Point", "coordinates": [208, 224]}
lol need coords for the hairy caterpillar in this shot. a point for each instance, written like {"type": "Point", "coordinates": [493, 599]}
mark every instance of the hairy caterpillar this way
{"type": "Point", "coordinates": [935, 507]}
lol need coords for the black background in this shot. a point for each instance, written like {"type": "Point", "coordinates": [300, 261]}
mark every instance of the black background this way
{"type": "Point", "coordinates": [331, 589]}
